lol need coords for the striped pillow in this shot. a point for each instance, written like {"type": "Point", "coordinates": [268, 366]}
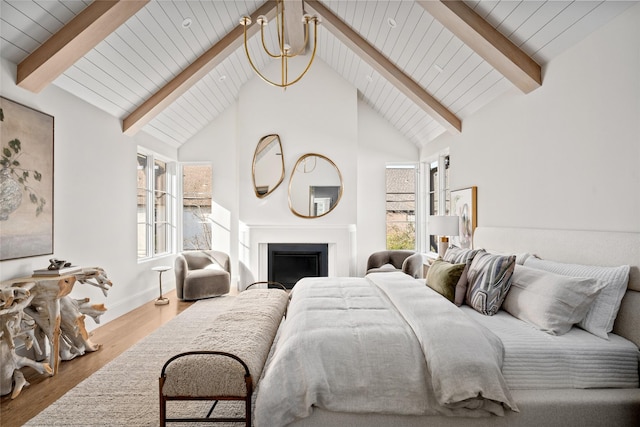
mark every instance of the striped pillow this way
{"type": "Point", "coordinates": [456, 255]}
{"type": "Point", "coordinates": [489, 279]}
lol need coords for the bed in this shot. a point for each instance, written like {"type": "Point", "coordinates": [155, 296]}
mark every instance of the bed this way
{"type": "Point", "coordinates": [576, 377]}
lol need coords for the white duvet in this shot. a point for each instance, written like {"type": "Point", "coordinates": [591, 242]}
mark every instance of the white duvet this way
{"type": "Point", "coordinates": [381, 344]}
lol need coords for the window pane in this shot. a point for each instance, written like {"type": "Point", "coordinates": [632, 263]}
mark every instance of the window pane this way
{"type": "Point", "coordinates": [155, 206]}
{"type": "Point", "coordinates": [160, 176]}
{"type": "Point", "coordinates": [142, 239]}
{"type": "Point", "coordinates": [434, 185]}
{"type": "Point", "coordinates": [447, 201]}
{"type": "Point", "coordinates": [142, 196]}
{"type": "Point", "coordinates": [401, 208]}
{"type": "Point", "coordinates": [142, 171]}
{"type": "Point", "coordinates": [160, 232]}
{"type": "Point", "coordinates": [196, 207]}
{"type": "Point", "coordinates": [439, 193]}
{"type": "Point", "coordinates": [160, 207]}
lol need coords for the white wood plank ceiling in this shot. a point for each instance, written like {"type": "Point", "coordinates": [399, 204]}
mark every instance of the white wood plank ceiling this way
{"type": "Point", "coordinates": [152, 47]}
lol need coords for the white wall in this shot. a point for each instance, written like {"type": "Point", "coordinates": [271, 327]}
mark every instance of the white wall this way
{"type": "Point", "coordinates": [316, 115]}
{"type": "Point", "coordinates": [380, 144]}
{"type": "Point", "coordinates": [94, 198]}
{"type": "Point", "coordinates": [320, 114]}
{"type": "Point", "coordinates": [567, 155]}
{"type": "Point", "coordinates": [216, 143]}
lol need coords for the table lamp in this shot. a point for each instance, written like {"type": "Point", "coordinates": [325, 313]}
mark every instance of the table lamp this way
{"type": "Point", "coordinates": [444, 227]}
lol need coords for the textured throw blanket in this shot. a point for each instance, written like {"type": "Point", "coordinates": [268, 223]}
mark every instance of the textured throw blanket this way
{"type": "Point", "coordinates": [381, 344]}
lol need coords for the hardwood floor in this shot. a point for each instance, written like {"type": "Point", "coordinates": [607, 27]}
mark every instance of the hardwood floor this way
{"type": "Point", "coordinates": [115, 337]}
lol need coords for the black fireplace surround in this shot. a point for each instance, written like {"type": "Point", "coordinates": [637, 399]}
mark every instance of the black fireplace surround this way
{"type": "Point", "coordinates": [289, 262]}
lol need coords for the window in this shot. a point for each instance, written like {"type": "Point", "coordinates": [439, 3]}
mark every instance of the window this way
{"type": "Point", "coordinates": [438, 191]}
{"type": "Point", "coordinates": [156, 205]}
{"type": "Point", "coordinates": [196, 206]}
{"type": "Point", "coordinates": [401, 184]}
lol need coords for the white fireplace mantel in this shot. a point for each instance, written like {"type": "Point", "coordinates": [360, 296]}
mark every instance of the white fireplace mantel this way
{"type": "Point", "coordinates": [340, 239]}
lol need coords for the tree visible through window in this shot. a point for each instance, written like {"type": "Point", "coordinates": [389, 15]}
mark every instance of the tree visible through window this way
{"type": "Point", "coordinates": [196, 207]}
{"type": "Point", "coordinates": [401, 207]}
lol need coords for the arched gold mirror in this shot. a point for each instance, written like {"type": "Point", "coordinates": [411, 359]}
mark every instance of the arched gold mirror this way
{"type": "Point", "coordinates": [268, 165]}
{"type": "Point", "coordinates": [315, 187]}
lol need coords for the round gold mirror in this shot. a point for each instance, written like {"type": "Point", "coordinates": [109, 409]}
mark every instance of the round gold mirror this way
{"type": "Point", "coordinates": [315, 187]}
{"type": "Point", "coordinates": [268, 165]}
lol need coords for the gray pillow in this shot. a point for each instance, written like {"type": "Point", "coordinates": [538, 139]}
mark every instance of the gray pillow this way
{"type": "Point", "coordinates": [489, 279]}
{"type": "Point", "coordinates": [456, 255]}
{"type": "Point", "coordinates": [551, 302]}
{"type": "Point", "coordinates": [602, 314]}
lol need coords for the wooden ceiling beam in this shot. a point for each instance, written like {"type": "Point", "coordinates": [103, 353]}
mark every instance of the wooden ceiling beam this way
{"type": "Point", "coordinates": [384, 66]}
{"type": "Point", "coordinates": [294, 28]}
{"type": "Point", "coordinates": [487, 42]}
{"type": "Point", "coordinates": [73, 41]}
{"type": "Point", "coordinates": [206, 62]}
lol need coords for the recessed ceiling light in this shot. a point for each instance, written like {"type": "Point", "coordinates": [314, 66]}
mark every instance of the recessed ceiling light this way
{"type": "Point", "coordinates": [222, 78]}
{"type": "Point", "coordinates": [438, 68]}
{"type": "Point", "coordinates": [392, 22]}
{"type": "Point", "coordinates": [186, 22]}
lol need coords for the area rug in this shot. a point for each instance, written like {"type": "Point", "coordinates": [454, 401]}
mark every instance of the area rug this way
{"type": "Point", "coordinates": [124, 392]}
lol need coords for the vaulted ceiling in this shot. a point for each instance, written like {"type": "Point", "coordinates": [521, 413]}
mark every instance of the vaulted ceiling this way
{"type": "Point", "coordinates": [422, 65]}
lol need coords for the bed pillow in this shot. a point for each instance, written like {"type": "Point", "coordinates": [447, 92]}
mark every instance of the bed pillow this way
{"type": "Point", "coordinates": [456, 255]}
{"type": "Point", "coordinates": [602, 314]}
{"type": "Point", "coordinates": [442, 277]}
{"type": "Point", "coordinates": [520, 257]}
{"type": "Point", "coordinates": [489, 279]}
{"type": "Point", "coordinates": [551, 302]}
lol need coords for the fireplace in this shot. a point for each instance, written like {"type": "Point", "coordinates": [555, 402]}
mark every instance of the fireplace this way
{"type": "Point", "coordinates": [289, 262]}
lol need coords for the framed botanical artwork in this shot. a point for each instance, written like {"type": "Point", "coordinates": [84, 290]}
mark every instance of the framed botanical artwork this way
{"type": "Point", "coordinates": [26, 181]}
{"type": "Point", "coordinates": [464, 204]}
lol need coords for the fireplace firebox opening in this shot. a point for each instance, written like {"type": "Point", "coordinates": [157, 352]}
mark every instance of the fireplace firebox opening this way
{"type": "Point", "coordinates": [289, 262]}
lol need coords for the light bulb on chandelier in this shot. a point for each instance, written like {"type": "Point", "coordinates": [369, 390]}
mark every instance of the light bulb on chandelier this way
{"type": "Point", "coordinates": [284, 48]}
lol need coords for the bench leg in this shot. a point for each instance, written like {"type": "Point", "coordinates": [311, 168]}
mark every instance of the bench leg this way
{"type": "Point", "coordinates": [248, 410]}
{"type": "Point", "coordinates": [163, 412]}
{"type": "Point", "coordinates": [163, 405]}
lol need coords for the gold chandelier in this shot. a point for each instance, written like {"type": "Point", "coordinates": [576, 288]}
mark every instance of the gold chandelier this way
{"type": "Point", "coordinates": [285, 50]}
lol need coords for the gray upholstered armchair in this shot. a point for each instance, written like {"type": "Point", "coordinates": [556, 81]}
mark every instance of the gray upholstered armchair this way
{"type": "Point", "coordinates": [409, 262]}
{"type": "Point", "coordinates": [202, 274]}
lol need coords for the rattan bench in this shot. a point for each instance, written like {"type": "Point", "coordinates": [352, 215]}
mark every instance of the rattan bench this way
{"type": "Point", "coordinates": [225, 361]}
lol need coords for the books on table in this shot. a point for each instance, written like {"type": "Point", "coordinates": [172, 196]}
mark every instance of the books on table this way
{"type": "Point", "coordinates": [60, 272]}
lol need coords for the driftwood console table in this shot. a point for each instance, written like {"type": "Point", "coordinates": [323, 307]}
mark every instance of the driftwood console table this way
{"type": "Point", "coordinates": [39, 312]}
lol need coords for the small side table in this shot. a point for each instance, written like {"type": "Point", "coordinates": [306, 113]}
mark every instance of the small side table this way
{"type": "Point", "coordinates": [161, 269]}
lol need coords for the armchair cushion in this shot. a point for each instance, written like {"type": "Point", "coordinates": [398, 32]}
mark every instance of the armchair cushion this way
{"type": "Point", "coordinates": [409, 262]}
{"type": "Point", "coordinates": [202, 274]}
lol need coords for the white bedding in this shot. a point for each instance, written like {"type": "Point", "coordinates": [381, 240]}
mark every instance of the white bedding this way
{"type": "Point", "coordinates": [578, 359]}
{"type": "Point", "coordinates": [379, 346]}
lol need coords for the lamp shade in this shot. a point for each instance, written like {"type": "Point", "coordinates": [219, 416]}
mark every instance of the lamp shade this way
{"type": "Point", "coordinates": [441, 225]}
